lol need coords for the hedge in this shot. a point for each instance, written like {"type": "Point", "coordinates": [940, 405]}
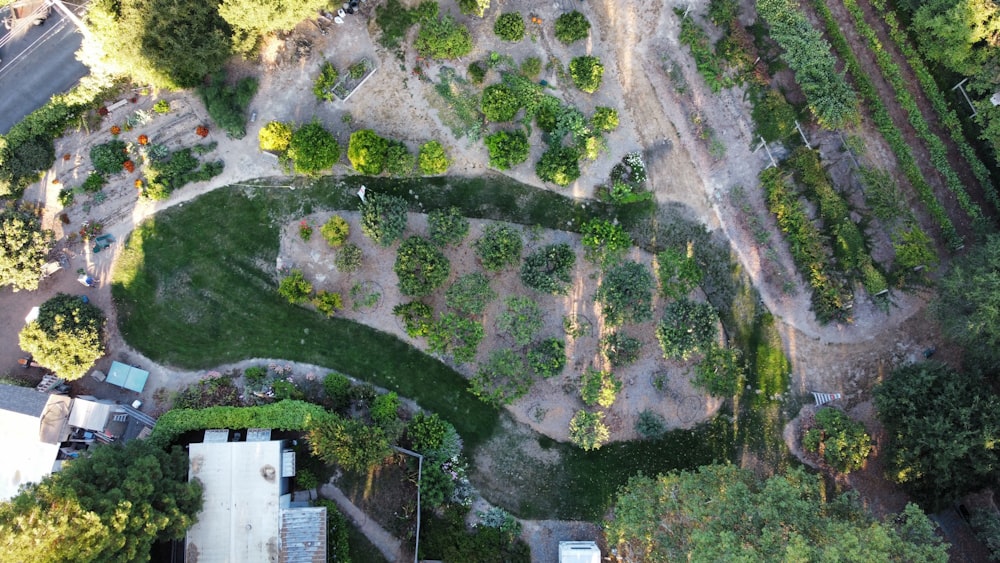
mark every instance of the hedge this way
{"type": "Point", "coordinates": [283, 415]}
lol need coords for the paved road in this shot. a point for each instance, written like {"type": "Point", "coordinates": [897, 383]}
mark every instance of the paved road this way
{"type": "Point", "coordinates": [40, 63]}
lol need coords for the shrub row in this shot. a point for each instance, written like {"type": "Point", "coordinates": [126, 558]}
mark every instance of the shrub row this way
{"type": "Point", "coordinates": [806, 245]}
{"type": "Point", "coordinates": [830, 98]}
{"type": "Point", "coordinates": [946, 115]}
{"type": "Point", "coordinates": [889, 131]}
{"type": "Point", "coordinates": [850, 246]}
{"type": "Point", "coordinates": [890, 71]}
{"type": "Point", "coordinates": [705, 59]}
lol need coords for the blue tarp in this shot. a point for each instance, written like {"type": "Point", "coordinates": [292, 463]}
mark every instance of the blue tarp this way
{"type": "Point", "coordinates": [127, 377]}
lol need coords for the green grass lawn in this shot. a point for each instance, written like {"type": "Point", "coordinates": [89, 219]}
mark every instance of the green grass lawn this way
{"type": "Point", "coordinates": [196, 287]}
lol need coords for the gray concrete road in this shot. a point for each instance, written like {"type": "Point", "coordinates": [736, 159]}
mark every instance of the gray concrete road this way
{"type": "Point", "coordinates": [35, 66]}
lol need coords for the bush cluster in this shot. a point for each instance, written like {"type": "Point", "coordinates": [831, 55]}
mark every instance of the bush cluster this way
{"type": "Point", "coordinates": [626, 294]}
{"type": "Point", "coordinates": [509, 26]}
{"type": "Point", "coordinates": [420, 266]}
{"type": "Point", "coordinates": [571, 27]}
{"type": "Point", "coordinates": [507, 148]}
{"type": "Point", "coordinates": [275, 137]}
{"type": "Point", "coordinates": [227, 105]}
{"type": "Point", "coordinates": [443, 38]}
{"type": "Point", "coordinates": [433, 159]}
{"type": "Point", "coordinates": [447, 226]}
{"type": "Point", "coordinates": [500, 103]}
{"type": "Point", "coordinates": [367, 152]}
{"type": "Point", "coordinates": [687, 327]}
{"type": "Point", "coordinates": [559, 165]}
{"type": "Point", "coordinates": [313, 149]}
{"type": "Point", "coordinates": [548, 269]}
{"type": "Point", "coordinates": [587, 73]}
{"type": "Point", "coordinates": [499, 246]}
{"type": "Point", "coordinates": [383, 217]}
{"type": "Point", "coordinates": [843, 442]}
{"type": "Point", "coordinates": [470, 294]}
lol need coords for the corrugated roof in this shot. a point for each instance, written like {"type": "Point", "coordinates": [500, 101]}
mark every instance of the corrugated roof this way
{"type": "Point", "coordinates": [303, 535]}
{"type": "Point", "coordinates": [92, 415]}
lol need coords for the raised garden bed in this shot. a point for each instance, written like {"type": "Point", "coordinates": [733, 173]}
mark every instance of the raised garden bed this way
{"type": "Point", "coordinates": [353, 78]}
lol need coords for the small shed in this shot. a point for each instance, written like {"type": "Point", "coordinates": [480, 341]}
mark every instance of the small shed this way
{"type": "Point", "coordinates": [127, 377]}
{"type": "Point", "coordinates": [90, 413]}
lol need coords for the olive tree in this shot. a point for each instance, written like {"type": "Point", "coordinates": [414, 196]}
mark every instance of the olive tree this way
{"type": "Point", "coordinates": [24, 246]}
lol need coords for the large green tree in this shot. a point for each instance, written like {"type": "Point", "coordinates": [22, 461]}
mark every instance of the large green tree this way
{"type": "Point", "coordinates": [253, 19]}
{"type": "Point", "coordinates": [968, 303]}
{"type": "Point", "coordinates": [23, 249]}
{"type": "Point", "coordinates": [109, 506]}
{"type": "Point", "coordinates": [943, 428]}
{"type": "Point", "coordinates": [164, 43]}
{"type": "Point", "coordinates": [67, 336]}
{"type": "Point", "coordinates": [724, 513]}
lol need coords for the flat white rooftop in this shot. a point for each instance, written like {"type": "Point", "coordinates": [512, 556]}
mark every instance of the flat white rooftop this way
{"type": "Point", "coordinates": [240, 519]}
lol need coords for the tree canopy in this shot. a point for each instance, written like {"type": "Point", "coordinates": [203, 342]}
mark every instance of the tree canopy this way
{"type": "Point", "coordinates": [943, 428]}
{"type": "Point", "coordinates": [164, 43]}
{"type": "Point", "coordinates": [23, 249]}
{"type": "Point", "coordinates": [67, 337]}
{"type": "Point", "coordinates": [253, 19]}
{"type": "Point", "coordinates": [109, 506]}
{"type": "Point", "coordinates": [724, 513]}
{"type": "Point", "coordinates": [968, 303]}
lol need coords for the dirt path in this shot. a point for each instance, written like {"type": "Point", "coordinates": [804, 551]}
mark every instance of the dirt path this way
{"type": "Point", "coordinates": [391, 548]}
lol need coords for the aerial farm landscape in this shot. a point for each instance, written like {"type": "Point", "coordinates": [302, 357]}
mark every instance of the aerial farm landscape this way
{"type": "Point", "coordinates": [474, 281]}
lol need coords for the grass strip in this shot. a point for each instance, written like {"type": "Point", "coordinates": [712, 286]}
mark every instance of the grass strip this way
{"type": "Point", "coordinates": [888, 129]}
{"type": "Point", "coordinates": [933, 92]}
{"type": "Point", "coordinates": [891, 72]}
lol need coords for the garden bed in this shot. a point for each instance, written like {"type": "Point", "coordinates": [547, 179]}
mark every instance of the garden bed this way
{"type": "Point", "coordinates": [352, 79]}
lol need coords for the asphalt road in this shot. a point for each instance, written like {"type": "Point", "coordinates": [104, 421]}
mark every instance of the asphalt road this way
{"type": "Point", "coordinates": [37, 65]}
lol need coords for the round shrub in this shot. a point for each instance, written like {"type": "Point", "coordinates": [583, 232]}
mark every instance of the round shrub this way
{"type": "Point", "coordinates": [312, 149]}
{"type": "Point", "coordinates": [327, 302]}
{"type": "Point", "coordinates": [442, 38]}
{"type": "Point", "coordinates": [521, 320]}
{"type": "Point", "coordinates": [275, 137]}
{"type": "Point", "coordinates": [499, 247]}
{"type": "Point", "coordinates": [547, 357]}
{"type": "Point", "coordinates": [605, 119]}
{"type": "Point", "coordinates": [500, 103]}
{"type": "Point", "coordinates": [295, 288]}
{"type": "Point", "coordinates": [383, 217]}
{"type": "Point", "coordinates": [588, 431]}
{"type": "Point", "coordinates": [399, 162]}
{"type": "Point", "coordinates": [67, 336]}
{"type": "Point", "coordinates": [110, 157]}
{"type": "Point", "coordinates": [572, 26]}
{"type": "Point", "coordinates": [620, 349]}
{"type": "Point", "coordinates": [433, 159]}
{"type": "Point", "coordinates": [470, 294]}
{"type": "Point", "coordinates": [348, 258]}
{"type": "Point", "coordinates": [599, 387]}
{"type": "Point", "coordinates": [477, 72]}
{"type": "Point", "coordinates": [559, 165]}
{"type": "Point", "coordinates": [548, 269]}
{"type": "Point", "coordinates": [507, 148]}
{"type": "Point", "coordinates": [650, 425]}
{"type": "Point", "coordinates": [687, 328]}
{"type": "Point", "coordinates": [421, 267]}
{"type": "Point", "coordinates": [447, 226]}
{"type": "Point", "coordinates": [417, 317]}
{"type": "Point", "coordinates": [626, 294]}
{"type": "Point", "coordinates": [587, 73]}
{"type": "Point", "coordinates": [367, 152]}
{"type": "Point", "coordinates": [531, 67]}
{"type": "Point", "coordinates": [509, 26]}
{"type": "Point", "coordinates": [335, 230]}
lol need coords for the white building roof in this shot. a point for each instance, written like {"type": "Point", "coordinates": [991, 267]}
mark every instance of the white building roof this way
{"type": "Point", "coordinates": [239, 521]}
{"type": "Point", "coordinates": [32, 424]}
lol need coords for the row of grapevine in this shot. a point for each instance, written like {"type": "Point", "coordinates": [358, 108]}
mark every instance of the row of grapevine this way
{"type": "Point", "coordinates": [830, 98]}
{"type": "Point", "coordinates": [893, 75]}
{"type": "Point", "coordinates": [806, 243]}
{"type": "Point", "coordinates": [850, 246]}
{"type": "Point", "coordinates": [946, 114]}
{"type": "Point", "coordinates": [889, 131]}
